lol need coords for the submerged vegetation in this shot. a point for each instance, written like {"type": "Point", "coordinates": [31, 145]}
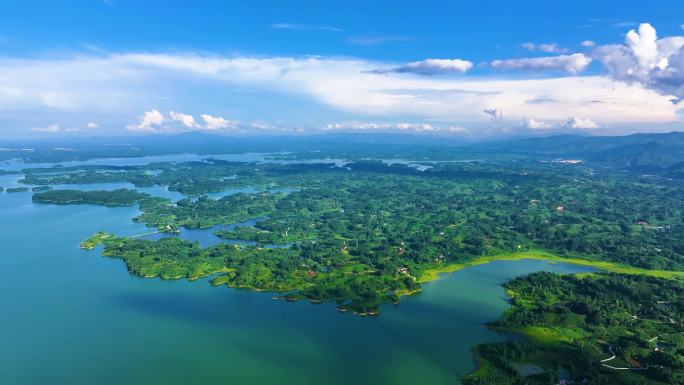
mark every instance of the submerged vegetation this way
{"type": "Point", "coordinates": [610, 328]}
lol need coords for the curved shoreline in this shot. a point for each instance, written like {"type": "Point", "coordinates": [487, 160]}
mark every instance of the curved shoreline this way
{"type": "Point", "coordinates": [433, 274]}
{"type": "Point", "coordinates": [533, 333]}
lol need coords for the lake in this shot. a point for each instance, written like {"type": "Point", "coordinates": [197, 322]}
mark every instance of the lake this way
{"type": "Point", "coordinates": [73, 317]}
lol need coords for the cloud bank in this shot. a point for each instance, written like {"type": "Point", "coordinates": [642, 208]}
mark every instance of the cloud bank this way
{"type": "Point", "coordinates": [134, 81]}
{"type": "Point", "coordinates": [642, 76]}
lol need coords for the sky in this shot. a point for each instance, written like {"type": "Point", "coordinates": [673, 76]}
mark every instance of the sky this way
{"type": "Point", "coordinates": [471, 69]}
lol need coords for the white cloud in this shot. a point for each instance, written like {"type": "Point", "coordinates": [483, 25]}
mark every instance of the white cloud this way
{"type": "Point", "coordinates": [430, 67]}
{"type": "Point", "coordinates": [155, 122]}
{"type": "Point", "coordinates": [575, 122]}
{"type": "Point", "coordinates": [150, 121]}
{"type": "Point", "coordinates": [573, 64]}
{"type": "Point", "coordinates": [392, 127]}
{"type": "Point", "coordinates": [551, 48]}
{"type": "Point", "coordinates": [547, 47]}
{"type": "Point", "coordinates": [185, 119]}
{"type": "Point", "coordinates": [119, 84]}
{"type": "Point", "coordinates": [49, 128]}
{"type": "Point", "coordinates": [216, 122]}
{"type": "Point", "coordinates": [534, 124]}
{"type": "Point", "coordinates": [644, 47]}
{"type": "Point", "coordinates": [56, 128]}
{"type": "Point", "coordinates": [92, 125]}
{"type": "Point", "coordinates": [359, 126]}
{"type": "Point", "coordinates": [644, 59]}
{"type": "Point", "coordinates": [587, 43]}
{"type": "Point", "coordinates": [414, 127]}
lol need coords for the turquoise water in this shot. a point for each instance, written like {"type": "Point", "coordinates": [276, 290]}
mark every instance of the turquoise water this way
{"type": "Point", "coordinates": [74, 317]}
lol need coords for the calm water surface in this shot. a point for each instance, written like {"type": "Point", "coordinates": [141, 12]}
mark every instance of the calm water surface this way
{"type": "Point", "coordinates": [73, 317]}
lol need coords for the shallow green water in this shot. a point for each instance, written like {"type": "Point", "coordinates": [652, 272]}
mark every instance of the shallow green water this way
{"type": "Point", "coordinates": [73, 317]}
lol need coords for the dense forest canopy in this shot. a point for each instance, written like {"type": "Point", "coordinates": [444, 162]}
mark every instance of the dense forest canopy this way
{"type": "Point", "coordinates": [367, 232]}
{"type": "Point", "coordinates": [577, 324]}
{"type": "Point", "coordinates": [120, 197]}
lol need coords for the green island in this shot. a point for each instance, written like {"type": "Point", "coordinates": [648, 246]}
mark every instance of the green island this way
{"type": "Point", "coordinates": [610, 328]}
{"type": "Point", "coordinates": [16, 189]}
{"type": "Point", "coordinates": [120, 197]}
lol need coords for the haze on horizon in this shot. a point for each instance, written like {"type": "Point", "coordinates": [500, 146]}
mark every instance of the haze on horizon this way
{"type": "Point", "coordinates": [117, 67]}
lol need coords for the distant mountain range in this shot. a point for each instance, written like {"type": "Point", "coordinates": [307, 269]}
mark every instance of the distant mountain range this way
{"type": "Point", "coordinates": [639, 151]}
{"type": "Point", "coordinates": [661, 153]}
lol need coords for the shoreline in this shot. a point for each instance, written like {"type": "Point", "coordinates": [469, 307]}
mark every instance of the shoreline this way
{"type": "Point", "coordinates": [435, 273]}
{"type": "Point", "coordinates": [531, 333]}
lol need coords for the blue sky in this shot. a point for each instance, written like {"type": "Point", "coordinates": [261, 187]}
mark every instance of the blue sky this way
{"type": "Point", "coordinates": [476, 69]}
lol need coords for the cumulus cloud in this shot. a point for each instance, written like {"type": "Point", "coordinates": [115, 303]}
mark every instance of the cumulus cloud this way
{"type": "Point", "coordinates": [587, 43]}
{"type": "Point", "coordinates": [573, 64]}
{"type": "Point", "coordinates": [644, 59]}
{"type": "Point", "coordinates": [149, 121]}
{"type": "Point", "coordinates": [575, 122]}
{"type": "Point", "coordinates": [153, 121]}
{"type": "Point", "coordinates": [92, 125]}
{"type": "Point", "coordinates": [547, 47]}
{"type": "Point", "coordinates": [534, 124]}
{"type": "Point", "coordinates": [430, 67]}
{"type": "Point", "coordinates": [494, 113]}
{"type": "Point", "coordinates": [185, 119]}
{"type": "Point", "coordinates": [216, 122]}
